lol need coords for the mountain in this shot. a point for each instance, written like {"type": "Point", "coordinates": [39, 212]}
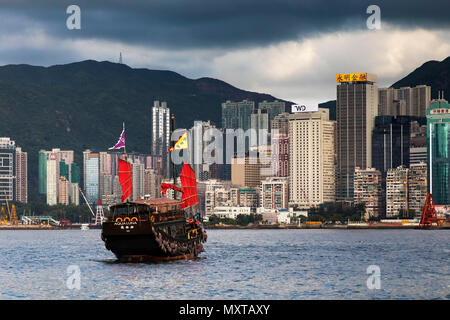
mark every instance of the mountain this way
{"type": "Point", "coordinates": [82, 106]}
{"type": "Point", "coordinates": [432, 73]}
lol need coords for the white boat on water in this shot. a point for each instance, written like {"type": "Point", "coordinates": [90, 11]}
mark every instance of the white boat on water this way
{"type": "Point", "coordinates": [85, 226]}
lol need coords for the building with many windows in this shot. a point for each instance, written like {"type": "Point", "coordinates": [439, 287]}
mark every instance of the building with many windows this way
{"type": "Point", "coordinates": [161, 134]}
{"type": "Point", "coordinates": [13, 172]}
{"type": "Point", "coordinates": [391, 142]}
{"type": "Point", "coordinates": [396, 191]}
{"type": "Point", "coordinates": [236, 115]}
{"type": "Point", "coordinates": [368, 190]}
{"type": "Point", "coordinates": [274, 193]}
{"type": "Point", "coordinates": [404, 101]}
{"type": "Point", "coordinates": [438, 144]}
{"type": "Point", "coordinates": [417, 187]}
{"type": "Point", "coordinates": [273, 108]}
{"type": "Point", "coordinates": [311, 159]}
{"type": "Point", "coordinates": [91, 174]}
{"type": "Point", "coordinates": [356, 109]}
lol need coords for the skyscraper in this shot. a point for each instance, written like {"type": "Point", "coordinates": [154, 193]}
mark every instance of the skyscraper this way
{"type": "Point", "coordinates": [7, 169]}
{"type": "Point", "coordinates": [137, 169]}
{"type": "Point", "coordinates": [311, 159]}
{"type": "Point", "coordinates": [259, 120]}
{"type": "Point", "coordinates": [356, 108]}
{"type": "Point", "coordinates": [52, 179]}
{"type": "Point", "coordinates": [197, 144]}
{"type": "Point", "coordinates": [404, 101]}
{"type": "Point", "coordinates": [161, 133]}
{"type": "Point", "coordinates": [21, 175]}
{"type": "Point", "coordinates": [273, 108]}
{"type": "Point", "coordinates": [438, 150]}
{"type": "Point", "coordinates": [280, 123]}
{"type": "Point", "coordinates": [64, 159]}
{"type": "Point", "coordinates": [64, 190]}
{"type": "Point", "coordinates": [237, 114]}
{"type": "Point", "coordinates": [91, 174]}
{"type": "Point", "coordinates": [391, 142]}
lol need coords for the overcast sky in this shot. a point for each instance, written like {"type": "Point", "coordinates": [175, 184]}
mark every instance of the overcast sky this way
{"type": "Point", "coordinates": [291, 49]}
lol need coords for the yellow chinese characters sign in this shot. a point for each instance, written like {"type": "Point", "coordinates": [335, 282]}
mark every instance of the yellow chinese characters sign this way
{"type": "Point", "coordinates": [350, 77]}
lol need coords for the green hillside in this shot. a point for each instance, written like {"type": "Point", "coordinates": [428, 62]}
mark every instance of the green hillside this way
{"type": "Point", "coordinates": [82, 106]}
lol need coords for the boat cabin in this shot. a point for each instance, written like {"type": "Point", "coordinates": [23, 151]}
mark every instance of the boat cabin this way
{"type": "Point", "coordinates": [154, 210]}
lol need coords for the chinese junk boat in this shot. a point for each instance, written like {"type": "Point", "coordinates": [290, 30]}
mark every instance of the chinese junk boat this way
{"type": "Point", "coordinates": [154, 229]}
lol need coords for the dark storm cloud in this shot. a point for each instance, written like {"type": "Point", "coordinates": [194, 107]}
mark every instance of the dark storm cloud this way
{"type": "Point", "coordinates": [209, 23]}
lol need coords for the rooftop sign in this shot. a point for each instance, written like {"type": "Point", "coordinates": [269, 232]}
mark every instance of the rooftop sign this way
{"type": "Point", "coordinates": [355, 77]}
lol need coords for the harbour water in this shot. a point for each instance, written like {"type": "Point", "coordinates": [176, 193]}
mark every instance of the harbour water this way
{"type": "Point", "coordinates": [236, 264]}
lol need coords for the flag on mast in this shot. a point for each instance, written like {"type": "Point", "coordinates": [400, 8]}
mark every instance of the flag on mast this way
{"type": "Point", "coordinates": [121, 142]}
{"type": "Point", "coordinates": [181, 143]}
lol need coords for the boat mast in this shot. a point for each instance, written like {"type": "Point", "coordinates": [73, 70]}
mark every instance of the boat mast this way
{"type": "Point", "coordinates": [172, 129]}
{"type": "Point", "coordinates": [124, 144]}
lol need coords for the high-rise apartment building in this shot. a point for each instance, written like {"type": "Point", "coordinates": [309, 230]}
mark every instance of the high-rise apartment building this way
{"type": "Point", "coordinates": [64, 190]}
{"type": "Point", "coordinates": [52, 179]}
{"type": "Point", "coordinates": [63, 160]}
{"type": "Point", "coordinates": [13, 172]}
{"type": "Point", "coordinates": [368, 190]}
{"type": "Point", "coordinates": [396, 191]}
{"type": "Point", "coordinates": [273, 108]}
{"type": "Point", "coordinates": [237, 114]}
{"type": "Point", "coordinates": [280, 124]}
{"type": "Point", "coordinates": [404, 101]}
{"type": "Point", "coordinates": [152, 182]}
{"type": "Point", "coordinates": [274, 193]}
{"type": "Point", "coordinates": [417, 187]}
{"type": "Point", "coordinates": [161, 133]}
{"type": "Point", "coordinates": [248, 197]}
{"type": "Point", "coordinates": [311, 159]}
{"type": "Point", "coordinates": [356, 109]}
{"type": "Point", "coordinates": [74, 194]}
{"type": "Point", "coordinates": [137, 169]}
{"type": "Point", "coordinates": [21, 164]}
{"type": "Point", "coordinates": [91, 175]}
{"type": "Point", "coordinates": [280, 155]}
{"type": "Point", "coordinates": [260, 122]}
{"type": "Point", "coordinates": [197, 145]}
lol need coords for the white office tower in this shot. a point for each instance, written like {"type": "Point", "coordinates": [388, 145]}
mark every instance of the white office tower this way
{"type": "Point", "coordinates": [311, 159]}
{"type": "Point", "coordinates": [161, 133]}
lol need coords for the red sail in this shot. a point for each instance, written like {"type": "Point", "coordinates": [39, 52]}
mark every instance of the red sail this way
{"type": "Point", "coordinates": [189, 185]}
{"type": "Point", "coordinates": [125, 179]}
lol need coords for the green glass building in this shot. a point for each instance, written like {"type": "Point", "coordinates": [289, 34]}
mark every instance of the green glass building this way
{"type": "Point", "coordinates": [64, 170]}
{"type": "Point", "coordinates": [42, 172]}
{"type": "Point", "coordinates": [273, 108]}
{"type": "Point", "coordinates": [76, 175]}
{"type": "Point", "coordinates": [438, 156]}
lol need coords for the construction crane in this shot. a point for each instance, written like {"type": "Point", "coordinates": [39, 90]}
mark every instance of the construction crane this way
{"type": "Point", "coordinates": [11, 213]}
{"type": "Point", "coordinates": [429, 216]}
